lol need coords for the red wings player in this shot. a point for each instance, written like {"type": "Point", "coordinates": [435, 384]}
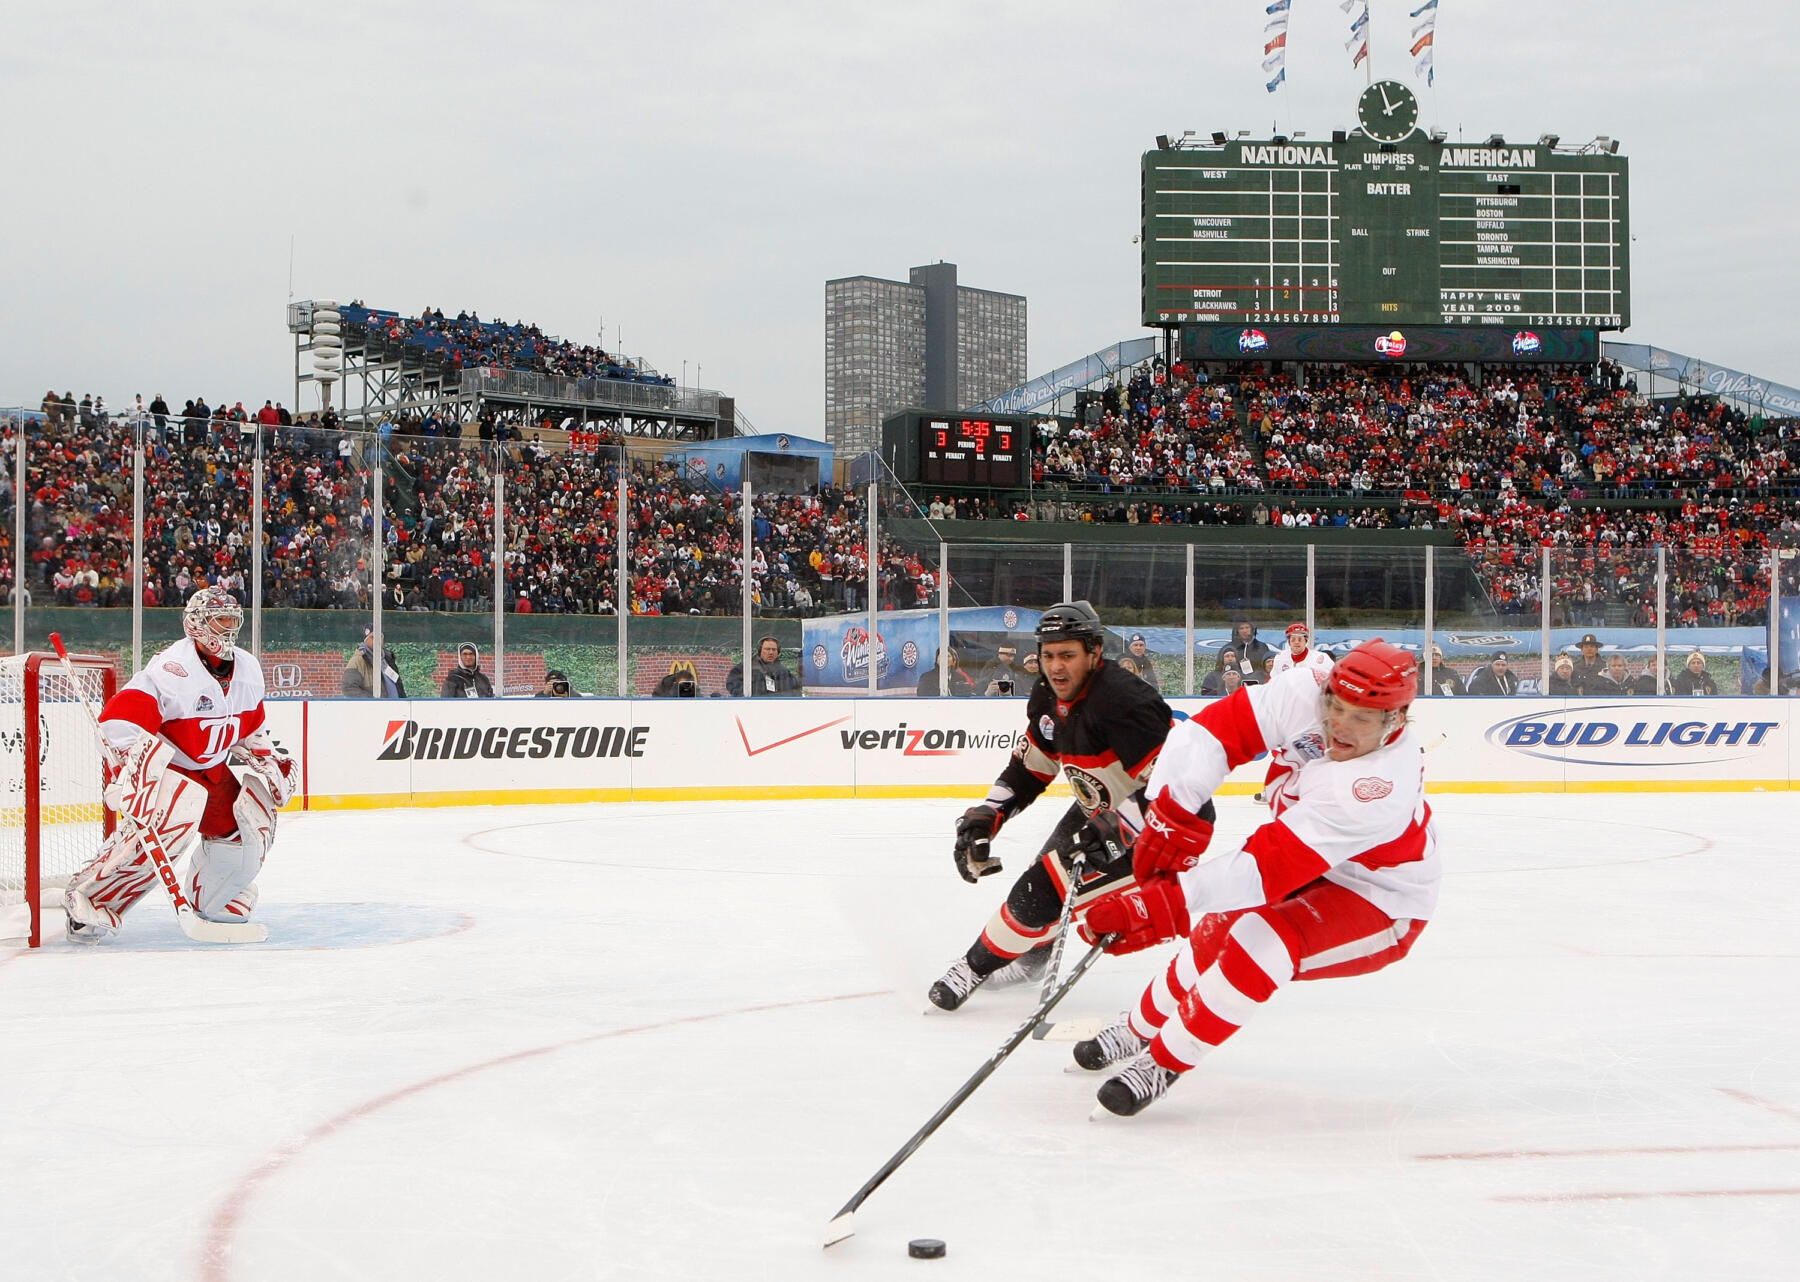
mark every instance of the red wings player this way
{"type": "Point", "coordinates": [1298, 653]}
{"type": "Point", "coordinates": [1340, 881]}
{"type": "Point", "coordinates": [191, 761]}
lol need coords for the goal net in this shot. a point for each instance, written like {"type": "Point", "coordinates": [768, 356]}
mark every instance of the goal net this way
{"type": "Point", "coordinates": [52, 819]}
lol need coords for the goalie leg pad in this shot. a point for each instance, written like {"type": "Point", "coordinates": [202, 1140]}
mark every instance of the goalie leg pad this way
{"type": "Point", "coordinates": [101, 893]}
{"type": "Point", "coordinates": [221, 880]}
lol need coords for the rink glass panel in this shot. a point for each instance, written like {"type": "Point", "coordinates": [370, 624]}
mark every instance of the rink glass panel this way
{"type": "Point", "coordinates": [318, 588]}
{"type": "Point", "coordinates": [1022, 576]}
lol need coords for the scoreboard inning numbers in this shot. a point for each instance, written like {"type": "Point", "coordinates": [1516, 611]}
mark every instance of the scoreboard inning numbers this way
{"type": "Point", "coordinates": [1361, 232]}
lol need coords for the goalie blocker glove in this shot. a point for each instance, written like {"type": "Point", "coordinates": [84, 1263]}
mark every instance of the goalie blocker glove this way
{"type": "Point", "coordinates": [974, 842]}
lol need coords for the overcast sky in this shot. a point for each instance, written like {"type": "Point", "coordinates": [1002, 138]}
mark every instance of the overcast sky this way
{"type": "Point", "coordinates": [686, 176]}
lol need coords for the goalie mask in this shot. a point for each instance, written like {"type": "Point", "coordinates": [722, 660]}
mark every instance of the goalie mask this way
{"type": "Point", "coordinates": [211, 621]}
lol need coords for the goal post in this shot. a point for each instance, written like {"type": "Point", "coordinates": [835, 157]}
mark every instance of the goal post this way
{"type": "Point", "coordinates": [52, 818]}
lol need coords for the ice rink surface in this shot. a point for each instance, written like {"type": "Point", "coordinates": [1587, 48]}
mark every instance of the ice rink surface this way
{"type": "Point", "coordinates": [660, 1041]}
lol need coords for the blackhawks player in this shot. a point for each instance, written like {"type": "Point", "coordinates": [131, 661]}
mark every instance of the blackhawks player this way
{"type": "Point", "coordinates": [1102, 727]}
{"type": "Point", "coordinates": [189, 760]}
{"type": "Point", "coordinates": [1340, 881]}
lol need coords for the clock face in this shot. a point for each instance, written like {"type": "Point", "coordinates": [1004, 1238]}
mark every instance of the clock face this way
{"type": "Point", "coordinates": [1387, 111]}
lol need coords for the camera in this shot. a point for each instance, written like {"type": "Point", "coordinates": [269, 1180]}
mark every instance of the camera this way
{"type": "Point", "coordinates": [559, 688]}
{"type": "Point", "coordinates": [1004, 685]}
{"type": "Point", "coordinates": [685, 689]}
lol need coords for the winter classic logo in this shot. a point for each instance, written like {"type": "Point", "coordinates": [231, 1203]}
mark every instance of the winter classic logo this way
{"type": "Point", "coordinates": [1619, 734]}
{"type": "Point", "coordinates": [1526, 343]}
{"type": "Point", "coordinates": [854, 655]}
{"type": "Point", "coordinates": [1252, 340]}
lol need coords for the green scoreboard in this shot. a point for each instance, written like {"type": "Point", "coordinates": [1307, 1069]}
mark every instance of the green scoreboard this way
{"type": "Point", "coordinates": [1385, 226]}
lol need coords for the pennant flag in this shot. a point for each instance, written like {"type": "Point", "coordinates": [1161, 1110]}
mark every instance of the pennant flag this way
{"type": "Point", "coordinates": [1280, 76]}
{"type": "Point", "coordinates": [1360, 55]}
{"type": "Point", "coordinates": [1279, 42]}
{"type": "Point", "coordinates": [1280, 24]}
{"type": "Point", "coordinates": [1424, 41]}
{"type": "Point", "coordinates": [1348, 5]}
{"type": "Point", "coordinates": [1353, 41]}
{"type": "Point", "coordinates": [1280, 6]}
{"type": "Point", "coordinates": [1280, 59]}
{"type": "Point", "coordinates": [1360, 23]}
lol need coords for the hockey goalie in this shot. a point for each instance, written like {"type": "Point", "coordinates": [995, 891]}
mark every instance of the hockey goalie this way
{"type": "Point", "coordinates": [190, 761]}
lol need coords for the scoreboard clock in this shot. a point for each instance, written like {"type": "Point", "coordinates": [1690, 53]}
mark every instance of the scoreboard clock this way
{"type": "Point", "coordinates": [970, 450]}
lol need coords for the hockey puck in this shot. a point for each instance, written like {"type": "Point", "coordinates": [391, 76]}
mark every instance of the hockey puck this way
{"type": "Point", "coordinates": [925, 1248]}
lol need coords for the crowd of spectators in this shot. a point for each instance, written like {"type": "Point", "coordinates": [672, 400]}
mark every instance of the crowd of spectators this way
{"type": "Point", "coordinates": [808, 555]}
{"type": "Point", "coordinates": [465, 341]}
{"type": "Point", "coordinates": [1522, 460]}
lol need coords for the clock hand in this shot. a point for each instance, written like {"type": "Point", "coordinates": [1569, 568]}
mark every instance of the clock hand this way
{"type": "Point", "coordinates": [1382, 88]}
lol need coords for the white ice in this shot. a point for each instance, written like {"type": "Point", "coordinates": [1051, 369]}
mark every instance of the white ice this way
{"type": "Point", "coordinates": [660, 1041]}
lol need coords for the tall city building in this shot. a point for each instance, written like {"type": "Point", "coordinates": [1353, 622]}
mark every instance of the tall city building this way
{"type": "Point", "coordinates": [926, 342]}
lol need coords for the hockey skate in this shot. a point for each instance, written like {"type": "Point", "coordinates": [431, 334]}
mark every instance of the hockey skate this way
{"type": "Point", "coordinates": [82, 922]}
{"type": "Point", "coordinates": [954, 988]}
{"type": "Point", "coordinates": [1135, 1087]}
{"type": "Point", "coordinates": [1110, 1045]}
{"type": "Point", "coordinates": [1026, 968]}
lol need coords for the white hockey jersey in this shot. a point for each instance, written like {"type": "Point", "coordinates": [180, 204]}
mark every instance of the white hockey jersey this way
{"type": "Point", "coordinates": [1363, 824]}
{"type": "Point", "coordinates": [1311, 658]}
{"type": "Point", "coordinates": [176, 695]}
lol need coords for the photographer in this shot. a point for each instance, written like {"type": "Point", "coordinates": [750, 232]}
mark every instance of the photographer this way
{"type": "Point", "coordinates": [680, 683]}
{"type": "Point", "coordinates": [1002, 676]}
{"type": "Point", "coordinates": [767, 674]}
{"type": "Point", "coordinates": [556, 686]}
{"type": "Point", "coordinates": [466, 680]}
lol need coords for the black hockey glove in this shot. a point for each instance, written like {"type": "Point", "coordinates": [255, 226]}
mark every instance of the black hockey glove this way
{"type": "Point", "coordinates": [974, 833]}
{"type": "Point", "coordinates": [1102, 840]}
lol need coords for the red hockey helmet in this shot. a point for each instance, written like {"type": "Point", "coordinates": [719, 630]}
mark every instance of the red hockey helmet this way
{"type": "Point", "coordinates": [1375, 675]}
{"type": "Point", "coordinates": [1295, 627]}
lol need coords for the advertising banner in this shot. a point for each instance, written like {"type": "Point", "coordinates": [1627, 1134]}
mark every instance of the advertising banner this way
{"type": "Point", "coordinates": [835, 652]}
{"type": "Point", "coordinates": [468, 752]}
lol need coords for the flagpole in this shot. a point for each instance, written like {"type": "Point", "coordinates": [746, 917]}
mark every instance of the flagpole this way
{"type": "Point", "coordinates": [1369, 39]}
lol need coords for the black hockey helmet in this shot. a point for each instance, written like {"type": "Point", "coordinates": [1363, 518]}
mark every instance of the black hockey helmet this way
{"type": "Point", "coordinates": [1072, 621]}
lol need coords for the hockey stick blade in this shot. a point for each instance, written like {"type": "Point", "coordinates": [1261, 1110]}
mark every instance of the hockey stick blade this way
{"type": "Point", "coordinates": [202, 931]}
{"type": "Point", "coordinates": [843, 1224]}
{"type": "Point", "coordinates": [1069, 1030]}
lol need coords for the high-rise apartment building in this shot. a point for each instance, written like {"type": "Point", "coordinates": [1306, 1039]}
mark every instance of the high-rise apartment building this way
{"type": "Point", "coordinates": [926, 342]}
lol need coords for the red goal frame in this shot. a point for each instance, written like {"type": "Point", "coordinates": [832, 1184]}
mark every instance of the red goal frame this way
{"type": "Point", "coordinates": [33, 746]}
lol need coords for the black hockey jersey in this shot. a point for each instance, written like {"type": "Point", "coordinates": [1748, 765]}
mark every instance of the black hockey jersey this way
{"type": "Point", "coordinates": [1105, 741]}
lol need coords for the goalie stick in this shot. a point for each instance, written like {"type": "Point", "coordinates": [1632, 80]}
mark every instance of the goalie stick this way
{"type": "Point", "coordinates": [193, 925]}
{"type": "Point", "coordinates": [843, 1224]}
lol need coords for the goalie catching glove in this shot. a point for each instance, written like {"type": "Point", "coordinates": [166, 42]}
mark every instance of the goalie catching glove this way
{"type": "Point", "coordinates": [1141, 916]}
{"type": "Point", "coordinates": [974, 842]}
{"type": "Point", "coordinates": [259, 757]}
{"type": "Point", "coordinates": [1173, 839]}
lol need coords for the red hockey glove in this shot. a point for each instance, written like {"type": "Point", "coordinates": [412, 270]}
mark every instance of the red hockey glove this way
{"type": "Point", "coordinates": [1172, 840]}
{"type": "Point", "coordinates": [974, 835]}
{"type": "Point", "coordinates": [1141, 916]}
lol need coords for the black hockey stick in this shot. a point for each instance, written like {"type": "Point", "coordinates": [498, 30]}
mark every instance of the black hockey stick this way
{"type": "Point", "coordinates": [843, 1223]}
{"type": "Point", "coordinates": [1077, 866]}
